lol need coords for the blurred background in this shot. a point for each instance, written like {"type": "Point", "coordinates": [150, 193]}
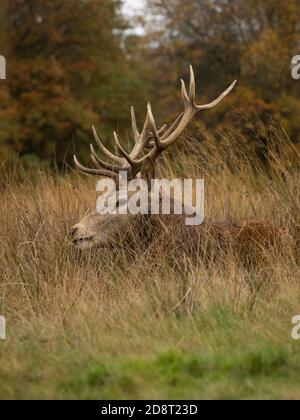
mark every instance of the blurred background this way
{"type": "Point", "coordinates": [72, 64]}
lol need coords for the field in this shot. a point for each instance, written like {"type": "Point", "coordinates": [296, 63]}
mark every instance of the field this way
{"type": "Point", "coordinates": [109, 324]}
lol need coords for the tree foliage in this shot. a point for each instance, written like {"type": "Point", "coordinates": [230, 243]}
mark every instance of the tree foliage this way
{"type": "Point", "coordinates": [73, 63]}
{"type": "Point", "coordinates": [67, 70]}
{"type": "Point", "coordinates": [251, 40]}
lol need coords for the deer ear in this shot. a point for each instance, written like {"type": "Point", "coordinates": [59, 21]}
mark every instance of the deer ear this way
{"type": "Point", "coordinates": [148, 171]}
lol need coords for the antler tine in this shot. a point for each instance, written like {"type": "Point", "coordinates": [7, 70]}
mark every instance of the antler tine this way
{"type": "Point", "coordinates": [142, 141]}
{"type": "Point", "coordinates": [123, 152]}
{"type": "Point", "coordinates": [157, 139]}
{"type": "Point", "coordinates": [192, 92]}
{"type": "Point", "coordinates": [101, 163]}
{"type": "Point", "coordinates": [168, 132]}
{"type": "Point", "coordinates": [95, 163]}
{"type": "Point", "coordinates": [218, 100]}
{"type": "Point", "coordinates": [135, 130]}
{"type": "Point", "coordinates": [172, 127]}
{"type": "Point", "coordinates": [185, 96]}
{"type": "Point", "coordinates": [105, 151]}
{"type": "Point", "coordinates": [99, 172]}
{"type": "Point", "coordinates": [161, 131]}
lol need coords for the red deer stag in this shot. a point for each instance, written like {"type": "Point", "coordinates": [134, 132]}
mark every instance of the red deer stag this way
{"type": "Point", "coordinates": [109, 230]}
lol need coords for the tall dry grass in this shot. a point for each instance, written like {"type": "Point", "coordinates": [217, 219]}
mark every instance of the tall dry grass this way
{"type": "Point", "coordinates": [65, 309]}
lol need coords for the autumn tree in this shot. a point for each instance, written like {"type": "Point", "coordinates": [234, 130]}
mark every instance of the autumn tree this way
{"type": "Point", "coordinates": [67, 70]}
{"type": "Point", "coordinates": [251, 40]}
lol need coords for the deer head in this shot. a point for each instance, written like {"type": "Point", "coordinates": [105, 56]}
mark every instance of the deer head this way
{"type": "Point", "coordinates": [107, 230]}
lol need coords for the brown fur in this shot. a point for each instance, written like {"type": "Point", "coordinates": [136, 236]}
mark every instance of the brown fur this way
{"type": "Point", "coordinates": [248, 240]}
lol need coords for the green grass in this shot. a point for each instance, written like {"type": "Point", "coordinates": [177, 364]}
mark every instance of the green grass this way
{"type": "Point", "coordinates": [219, 357]}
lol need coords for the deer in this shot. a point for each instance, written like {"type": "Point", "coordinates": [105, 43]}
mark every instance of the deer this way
{"type": "Point", "coordinates": [104, 231]}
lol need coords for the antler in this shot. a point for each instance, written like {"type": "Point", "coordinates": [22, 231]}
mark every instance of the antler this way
{"type": "Point", "coordinates": [150, 137]}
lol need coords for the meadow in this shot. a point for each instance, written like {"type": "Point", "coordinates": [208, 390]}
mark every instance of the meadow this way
{"type": "Point", "coordinates": [111, 324]}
